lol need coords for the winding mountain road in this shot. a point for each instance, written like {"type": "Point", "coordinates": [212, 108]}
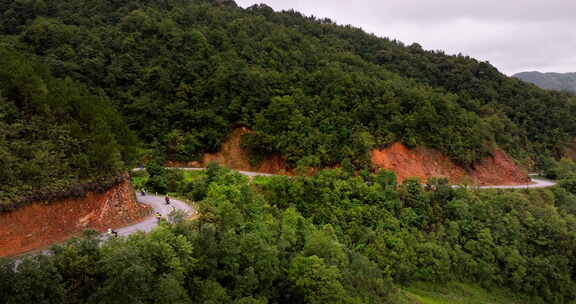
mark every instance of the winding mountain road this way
{"type": "Point", "coordinates": [159, 205]}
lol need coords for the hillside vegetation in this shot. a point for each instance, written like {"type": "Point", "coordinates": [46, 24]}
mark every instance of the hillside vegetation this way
{"type": "Point", "coordinates": [331, 238]}
{"type": "Point", "coordinates": [551, 81]}
{"type": "Point", "coordinates": [185, 73]}
{"type": "Point", "coordinates": [77, 76]}
{"type": "Point", "coordinates": [56, 137]}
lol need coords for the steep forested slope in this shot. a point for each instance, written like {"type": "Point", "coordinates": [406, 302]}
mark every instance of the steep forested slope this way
{"type": "Point", "coordinates": [55, 136]}
{"type": "Point", "coordinates": [185, 73]}
{"type": "Point", "coordinates": [522, 118]}
{"type": "Point", "coordinates": [551, 81]}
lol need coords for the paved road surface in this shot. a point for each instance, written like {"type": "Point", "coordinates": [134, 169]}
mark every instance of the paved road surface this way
{"type": "Point", "coordinates": [536, 183]}
{"type": "Point", "coordinates": [158, 204]}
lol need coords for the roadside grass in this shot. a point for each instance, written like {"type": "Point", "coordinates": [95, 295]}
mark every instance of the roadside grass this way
{"type": "Point", "coordinates": [139, 179]}
{"type": "Point", "coordinates": [191, 176]}
{"type": "Point", "coordinates": [458, 293]}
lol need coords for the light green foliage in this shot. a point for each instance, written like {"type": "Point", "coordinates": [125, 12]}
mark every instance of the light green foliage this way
{"type": "Point", "coordinates": [315, 281]}
{"type": "Point", "coordinates": [458, 293]}
{"type": "Point", "coordinates": [323, 243]}
{"type": "Point", "coordinates": [139, 179]}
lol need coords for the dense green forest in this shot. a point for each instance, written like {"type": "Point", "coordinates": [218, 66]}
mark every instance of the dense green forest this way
{"type": "Point", "coordinates": [331, 238]}
{"type": "Point", "coordinates": [184, 73]}
{"type": "Point", "coordinates": [550, 81]}
{"type": "Point", "coordinates": [57, 139]}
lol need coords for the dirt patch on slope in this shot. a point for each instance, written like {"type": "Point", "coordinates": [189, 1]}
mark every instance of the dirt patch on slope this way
{"type": "Point", "coordinates": [231, 155]}
{"type": "Point", "coordinates": [39, 224]}
{"type": "Point", "coordinates": [424, 163]}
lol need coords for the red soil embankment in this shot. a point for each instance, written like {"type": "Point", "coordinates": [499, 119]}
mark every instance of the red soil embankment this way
{"type": "Point", "coordinates": [39, 224]}
{"type": "Point", "coordinates": [424, 163]}
{"type": "Point", "coordinates": [499, 169]}
{"type": "Point", "coordinates": [231, 155]}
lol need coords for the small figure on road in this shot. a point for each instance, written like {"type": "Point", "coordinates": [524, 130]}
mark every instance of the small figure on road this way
{"type": "Point", "coordinates": [143, 192]}
{"type": "Point", "coordinates": [158, 216]}
{"type": "Point", "coordinates": [167, 198]}
{"type": "Point", "coordinates": [112, 232]}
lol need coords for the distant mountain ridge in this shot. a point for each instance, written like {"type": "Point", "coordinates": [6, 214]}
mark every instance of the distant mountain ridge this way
{"type": "Point", "coordinates": [550, 81]}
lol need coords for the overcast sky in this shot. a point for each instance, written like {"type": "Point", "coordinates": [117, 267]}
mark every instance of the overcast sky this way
{"type": "Point", "coordinates": [513, 35]}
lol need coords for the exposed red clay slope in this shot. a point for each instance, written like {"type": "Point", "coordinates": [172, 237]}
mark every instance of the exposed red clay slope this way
{"type": "Point", "coordinates": [39, 224]}
{"type": "Point", "coordinates": [421, 162]}
{"type": "Point", "coordinates": [424, 163]}
{"type": "Point", "coordinates": [231, 155]}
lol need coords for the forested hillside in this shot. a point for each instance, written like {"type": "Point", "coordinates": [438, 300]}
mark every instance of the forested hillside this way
{"type": "Point", "coordinates": [331, 238]}
{"type": "Point", "coordinates": [550, 81]}
{"type": "Point", "coordinates": [185, 73]}
{"type": "Point", "coordinates": [56, 137]}
{"type": "Point", "coordinates": [85, 84]}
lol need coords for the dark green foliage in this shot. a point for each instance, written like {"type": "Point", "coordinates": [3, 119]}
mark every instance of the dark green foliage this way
{"type": "Point", "coordinates": [158, 180]}
{"type": "Point", "coordinates": [145, 269]}
{"type": "Point", "coordinates": [562, 169]}
{"type": "Point", "coordinates": [185, 73]}
{"type": "Point", "coordinates": [56, 138]}
{"type": "Point", "coordinates": [36, 281]}
{"type": "Point", "coordinates": [569, 184]}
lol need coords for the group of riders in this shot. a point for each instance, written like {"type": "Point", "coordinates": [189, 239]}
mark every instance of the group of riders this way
{"type": "Point", "coordinates": [158, 215]}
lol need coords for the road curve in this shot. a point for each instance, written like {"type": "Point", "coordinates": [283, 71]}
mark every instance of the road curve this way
{"type": "Point", "coordinates": [158, 204]}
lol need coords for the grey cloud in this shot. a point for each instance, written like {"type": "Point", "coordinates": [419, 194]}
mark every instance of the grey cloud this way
{"type": "Point", "coordinates": [438, 11]}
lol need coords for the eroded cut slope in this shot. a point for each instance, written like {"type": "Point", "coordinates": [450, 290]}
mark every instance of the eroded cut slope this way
{"type": "Point", "coordinates": [499, 169]}
{"type": "Point", "coordinates": [39, 224]}
{"type": "Point", "coordinates": [424, 163]}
